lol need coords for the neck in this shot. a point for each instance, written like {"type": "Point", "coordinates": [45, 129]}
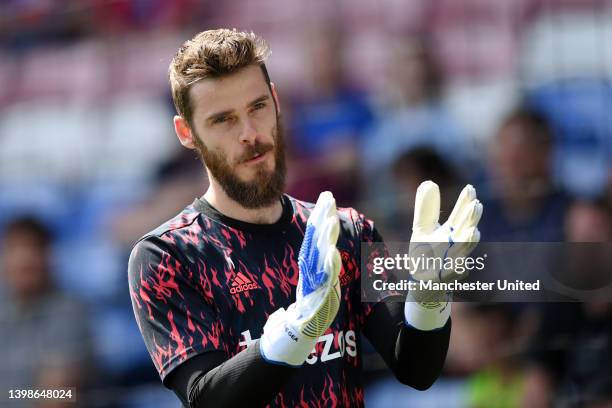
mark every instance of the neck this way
{"type": "Point", "coordinates": [230, 208]}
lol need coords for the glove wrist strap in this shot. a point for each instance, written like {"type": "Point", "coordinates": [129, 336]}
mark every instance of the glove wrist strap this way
{"type": "Point", "coordinates": [426, 316]}
{"type": "Point", "coordinates": [281, 343]}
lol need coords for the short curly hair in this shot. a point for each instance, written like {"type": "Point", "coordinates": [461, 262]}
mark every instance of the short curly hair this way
{"type": "Point", "coordinates": [212, 54]}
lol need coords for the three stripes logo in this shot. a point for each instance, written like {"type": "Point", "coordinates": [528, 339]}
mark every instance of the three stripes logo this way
{"type": "Point", "coordinates": [242, 283]}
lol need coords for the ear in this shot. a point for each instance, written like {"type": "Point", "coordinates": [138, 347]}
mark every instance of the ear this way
{"type": "Point", "coordinates": [275, 96]}
{"type": "Point", "coordinates": [183, 132]}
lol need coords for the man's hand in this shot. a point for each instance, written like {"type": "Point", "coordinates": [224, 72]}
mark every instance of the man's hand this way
{"type": "Point", "coordinates": [456, 238]}
{"type": "Point", "coordinates": [290, 335]}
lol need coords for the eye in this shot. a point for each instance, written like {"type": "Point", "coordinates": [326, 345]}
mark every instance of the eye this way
{"type": "Point", "coordinates": [220, 119]}
{"type": "Point", "coordinates": [259, 105]}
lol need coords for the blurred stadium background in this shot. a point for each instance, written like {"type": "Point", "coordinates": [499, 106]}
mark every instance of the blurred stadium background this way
{"type": "Point", "coordinates": [512, 96]}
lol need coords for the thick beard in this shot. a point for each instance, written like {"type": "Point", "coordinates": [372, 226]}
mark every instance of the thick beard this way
{"type": "Point", "coordinates": [265, 188]}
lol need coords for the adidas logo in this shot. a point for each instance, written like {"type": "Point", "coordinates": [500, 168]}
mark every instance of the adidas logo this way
{"type": "Point", "coordinates": [242, 283]}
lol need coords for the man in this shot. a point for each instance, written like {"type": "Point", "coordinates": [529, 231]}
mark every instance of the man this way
{"type": "Point", "coordinates": [45, 342]}
{"type": "Point", "coordinates": [525, 204]}
{"type": "Point", "coordinates": [576, 370]}
{"type": "Point", "coordinates": [229, 312]}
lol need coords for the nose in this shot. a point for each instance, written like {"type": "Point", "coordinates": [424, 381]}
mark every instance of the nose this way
{"type": "Point", "coordinates": [249, 133]}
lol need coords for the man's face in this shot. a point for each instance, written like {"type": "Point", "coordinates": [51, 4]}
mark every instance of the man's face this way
{"type": "Point", "coordinates": [25, 262]}
{"type": "Point", "coordinates": [237, 133]}
{"type": "Point", "coordinates": [517, 157]}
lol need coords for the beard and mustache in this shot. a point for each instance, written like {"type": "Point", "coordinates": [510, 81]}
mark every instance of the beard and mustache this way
{"type": "Point", "coordinates": [266, 186]}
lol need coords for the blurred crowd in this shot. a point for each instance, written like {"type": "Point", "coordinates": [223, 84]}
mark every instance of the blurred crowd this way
{"type": "Point", "coordinates": [376, 97]}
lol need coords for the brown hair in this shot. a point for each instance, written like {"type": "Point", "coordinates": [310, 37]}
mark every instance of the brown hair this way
{"type": "Point", "coordinates": [31, 226]}
{"type": "Point", "coordinates": [535, 124]}
{"type": "Point", "coordinates": [212, 54]}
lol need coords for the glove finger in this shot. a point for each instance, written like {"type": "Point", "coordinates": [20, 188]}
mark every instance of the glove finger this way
{"type": "Point", "coordinates": [326, 247]}
{"type": "Point", "coordinates": [474, 240]}
{"type": "Point", "coordinates": [333, 264]}
{"type": "Point", "coordinates": [465, 243]}
{"type": "Point", "coordinates": [327, 272]}
{"type": "Point", "coordinates": [325, 206]}
{"type": "Point", "coordinates": [305, 257]}
{"type": "Point", "coordinates": [328, 234]}
{"type": "Point", "coordinates": [318, 210]}
{"type": "Point", "coordinates": [426, 207]}
{"type": "Point", "coordinates": [468, 235]}
{"type": "Point", "coordinates": [309, 261]}
{"type": "Point", "coordinates": [468, 194]}
{"type": "Point", "coordinates": [470, 216]}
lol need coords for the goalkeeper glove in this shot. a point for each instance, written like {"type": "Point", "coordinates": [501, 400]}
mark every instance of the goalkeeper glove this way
{"type": "Point", "coordinates": [456, 238]}
{"type": "Point", "coordinates": [290, 335]}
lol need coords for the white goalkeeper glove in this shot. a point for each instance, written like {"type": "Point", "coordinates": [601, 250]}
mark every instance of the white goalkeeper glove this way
{"type": "Point", "coordinates": [290, 335]}
{"type": "Point", "coordinates": [456, 238]}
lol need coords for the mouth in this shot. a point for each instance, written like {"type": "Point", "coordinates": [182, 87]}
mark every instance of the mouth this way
{"type": "Point", "coordinates": [257, 158]}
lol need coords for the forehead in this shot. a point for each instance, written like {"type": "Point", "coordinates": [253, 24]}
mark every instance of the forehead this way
{"type": "Point", "coordinates": [514, 132]}
{"type": "Point", "coordinates": [234, 91]}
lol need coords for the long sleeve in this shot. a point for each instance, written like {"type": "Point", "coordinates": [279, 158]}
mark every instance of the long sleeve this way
{"type": "Point", "coordinates": [211, 380]}
{"type": "Point", "coordinates": [415, 357]}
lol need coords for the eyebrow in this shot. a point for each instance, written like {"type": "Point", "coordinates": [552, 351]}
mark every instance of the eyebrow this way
{"type": "Point", "coordinates": [224, 113]}
{"type": "Point", "coordinates": [260, 99]}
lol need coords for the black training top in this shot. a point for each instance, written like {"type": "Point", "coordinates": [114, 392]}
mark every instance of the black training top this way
{"type": "Point", "coordinates": [203, 285]}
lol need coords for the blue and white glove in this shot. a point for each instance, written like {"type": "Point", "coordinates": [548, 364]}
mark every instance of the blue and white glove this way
{"type": "Point", "coordinates": [290, 335]}
{"type": "Point", "coordinates": [456, 238]}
